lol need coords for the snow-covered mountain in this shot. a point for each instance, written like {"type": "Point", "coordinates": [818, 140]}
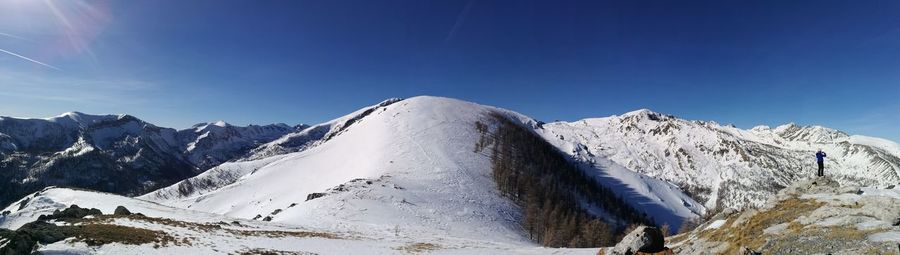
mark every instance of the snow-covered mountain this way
{"type": "Point", "coordinates": [401, 163]}
{"type": "Point", "coordinates": [723, 166]}
{"type": "Point", "coordinates": [114, 153]}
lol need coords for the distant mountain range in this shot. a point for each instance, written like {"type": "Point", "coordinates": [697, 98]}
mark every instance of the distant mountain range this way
{"type": "Point", "coordinates": [115, 153]}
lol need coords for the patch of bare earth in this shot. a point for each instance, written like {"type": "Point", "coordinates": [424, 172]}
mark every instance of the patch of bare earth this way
{"type": "Point", "coordinates": [416, 248]}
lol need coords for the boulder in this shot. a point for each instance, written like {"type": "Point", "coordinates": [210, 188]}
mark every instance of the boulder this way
{"type": "Point", "coordinates": [642, 239]}
{"type": "Point", "coordinates": [121, 210]}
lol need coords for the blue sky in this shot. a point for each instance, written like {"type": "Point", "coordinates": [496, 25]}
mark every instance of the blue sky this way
{"type": "Point", "coordinates": [175, 63]}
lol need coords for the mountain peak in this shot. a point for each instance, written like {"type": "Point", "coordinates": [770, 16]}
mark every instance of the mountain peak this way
{"type": "Point", "coordinates": [220, 123]}
{"type": "Point", "coordinates": [393, 100]}
{"type": "Point", "coordinates": [786, 127]}
{"type": "Point", "coordinates": [642, 111]}
{"type": "Point", "coordinates": [80, 119]}
{"type": "Point", "coordinates": [72, 114]}
{"type": "Point", "coordinates": [761, 128]}
{"type": "Point", "coordinates": [814, 133]}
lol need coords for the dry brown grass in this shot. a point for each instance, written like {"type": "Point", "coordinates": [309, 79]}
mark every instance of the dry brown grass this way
{"type": "Point", "coordinates": [100, 234]}
{"type": "Point", "coordinates": [750, 234]}
{"type": "Point", "coordinates": [419, 247]}
{"type": "Point", "coordinates": [273, 252]}
{"type": "Point", "coordinates": [677, 238]}
{"type": "Point", "coordinates": [205, 227]}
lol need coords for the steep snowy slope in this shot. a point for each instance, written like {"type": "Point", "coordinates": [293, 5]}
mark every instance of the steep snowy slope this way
{"type": "Point", "coordinates": [406, 165]}
{"type": "Point", "coordinates": [167, 230]}
{"type": "Point", "coordinates": [312, 136]}
{"type": "Point", "coordinates": [227, 173]}
{"type": "Point", "coordinates": [724, 166]}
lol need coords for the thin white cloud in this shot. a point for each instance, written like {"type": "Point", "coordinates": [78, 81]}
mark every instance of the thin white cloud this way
{"type": "Point", "coordinates": [460, 19]}
{"type": "Point", "coordinates": [14, 37]}
{"type": "Point", "coordinates": [29, 59]}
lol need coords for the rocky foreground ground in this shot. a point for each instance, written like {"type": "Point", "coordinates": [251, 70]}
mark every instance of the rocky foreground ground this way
{"type": "Point", "coordinates": [815, 216]}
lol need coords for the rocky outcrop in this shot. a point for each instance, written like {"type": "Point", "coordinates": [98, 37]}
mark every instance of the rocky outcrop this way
{"type": "Point", "coordinates": [641, 240]}
{"type": "Point", "coordinates": [76, 224]}
{"type": "Point", "coordinates": [814, 216]}
{"type": "Point", "coordinates": [73, 212]}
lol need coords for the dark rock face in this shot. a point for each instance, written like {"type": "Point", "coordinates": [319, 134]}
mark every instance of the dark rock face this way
{"type": "Point", "coordinates": [314, 196]}
{"type": "Point", "coordinates": [16, 243]}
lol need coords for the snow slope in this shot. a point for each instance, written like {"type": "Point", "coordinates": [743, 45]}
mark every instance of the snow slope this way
{"type": "Point", "coordinates": [261, 156]}
{"type": "Point", "coordinates": [417, 171]}
{"type": "Point", "coordinates": [196, 232]}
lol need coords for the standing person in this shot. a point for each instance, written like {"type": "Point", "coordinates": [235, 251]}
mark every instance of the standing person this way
{"type": "Point", "coordinates": [820, 158]}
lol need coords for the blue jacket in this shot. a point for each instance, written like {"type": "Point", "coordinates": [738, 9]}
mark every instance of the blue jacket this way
{"type": "Point", "coordinates": [820, 156]}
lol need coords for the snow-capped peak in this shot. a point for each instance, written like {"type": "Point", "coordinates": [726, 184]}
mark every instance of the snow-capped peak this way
{"type": "Point", "coordinates": [642, 111]}
{"type": "Point", "coordinates": [220, 123]}
{"type": "Point", "coordinates": [72, 114]}
{"type": "Point", "coordinates": [199, 127]}
{"type": "Point", "coordinates": [79, 119]}
{"type": "Point", "coordinates": [645, 114]}
{"type": "Point", "coordinates": [761, 128]}
{"type": "Point", "coordinates": [813, 134]}
{"type": "Point", "coordinates": [783, 128]}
